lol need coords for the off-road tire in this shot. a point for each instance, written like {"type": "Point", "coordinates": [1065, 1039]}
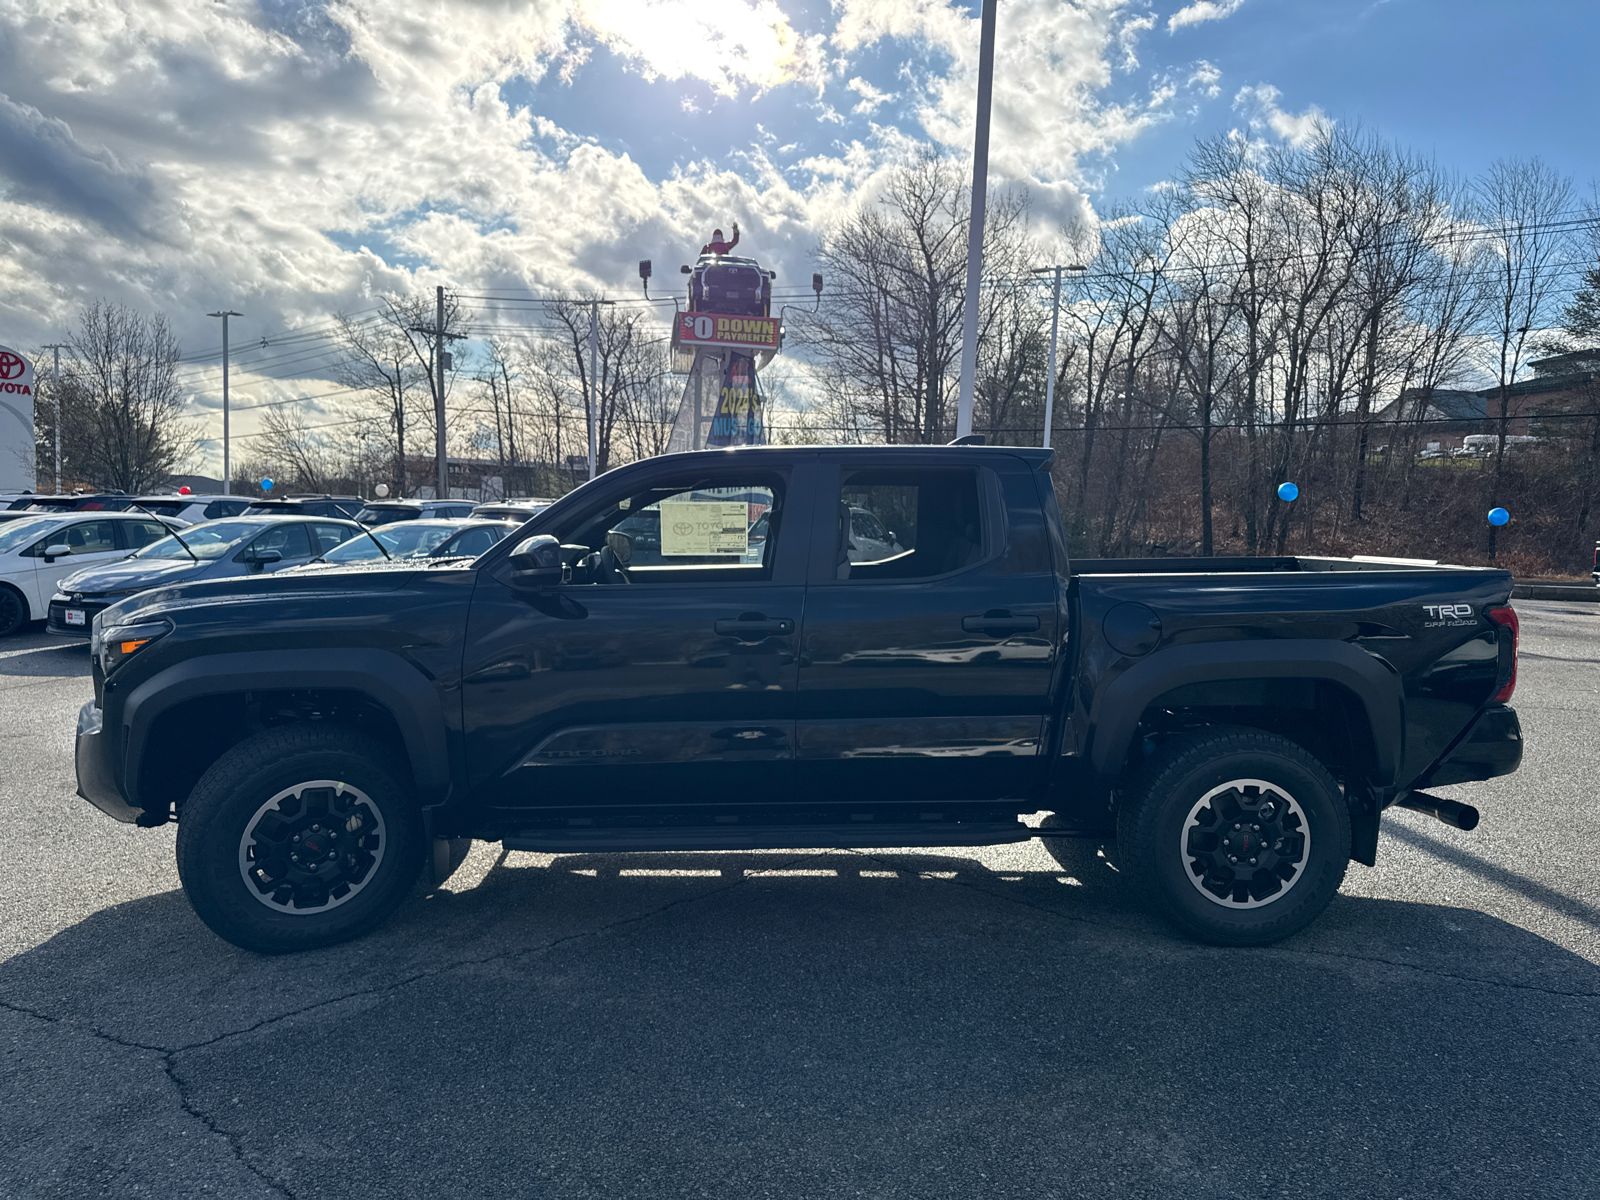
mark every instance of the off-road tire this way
{"type": "Point", "coordinates": [1168, 792]}
{"type": "Point", "coordinates": [226, 805]}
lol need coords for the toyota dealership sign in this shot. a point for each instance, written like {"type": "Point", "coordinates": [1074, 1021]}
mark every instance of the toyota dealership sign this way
{"type": "Point", "coordinates": [16, 422]}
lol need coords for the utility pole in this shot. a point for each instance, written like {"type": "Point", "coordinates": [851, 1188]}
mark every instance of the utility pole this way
{"type": "Point", "coordinates": [227, 466]}
{"type": "Point", "coordinates": [443, 492]}
{"type": "Point", "coordinates": [55, 390]}
{"type": "Point", "coordinates": [440, 359]}
{"type": "Point", "coordinates": [594, 378]}
{"type": "Point", "coordinates": [594, 374]}
{"type": "Point", "coordinates": [1055, 325]}
{"type": "Point", "coordinates": [980, 187]}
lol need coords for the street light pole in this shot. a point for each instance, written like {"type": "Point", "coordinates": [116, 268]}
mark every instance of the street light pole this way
{"type": "Point", "coordinates": [1055, 325]}
{"type": "Point", "coordinates": [980, 186]}
{"type": "Point", "coordinates": [55, 390]}
{"type": "Point", "coordinates": [227, 472]}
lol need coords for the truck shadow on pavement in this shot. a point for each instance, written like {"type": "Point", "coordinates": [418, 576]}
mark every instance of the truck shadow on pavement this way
{"type": "Point", "coordinates": [884, 1023]}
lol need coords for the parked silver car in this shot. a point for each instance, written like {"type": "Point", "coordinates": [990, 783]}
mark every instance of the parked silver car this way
{"type": "Point", "coordinates": [209, 550]}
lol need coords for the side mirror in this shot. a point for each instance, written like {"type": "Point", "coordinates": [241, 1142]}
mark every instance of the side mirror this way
{"type": "Point", "coordinates": [51, 553]}
{"type": "Point", "coordinates": [621, 546]}
{"type": "Point", "coordinates": [686, 270]}
{"type": "Point", "coordinates": [536, 562]}
{"type": "Point", "coordinates": [262, 557]}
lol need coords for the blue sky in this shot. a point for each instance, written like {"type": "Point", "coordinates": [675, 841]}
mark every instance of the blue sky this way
{"type": "Point", "coordinates": [295, 158]}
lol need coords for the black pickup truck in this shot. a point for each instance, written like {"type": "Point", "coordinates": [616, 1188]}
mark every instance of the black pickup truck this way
{"type": "Point", "coordinates": [813, 647]}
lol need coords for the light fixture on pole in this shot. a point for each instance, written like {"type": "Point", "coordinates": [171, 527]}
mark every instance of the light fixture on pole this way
{"type": "Point", "coordinates": [1055, 324]}
{"type": "Point", "coordinates": [980, 186]}
{"type": "Point", "coordinates": [227, 474]}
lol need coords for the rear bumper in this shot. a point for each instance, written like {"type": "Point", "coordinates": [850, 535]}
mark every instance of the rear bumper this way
{"type": "Point", "coordinates": [1491, 747]}
{"type": "Point", "coordinates": [94, 759]}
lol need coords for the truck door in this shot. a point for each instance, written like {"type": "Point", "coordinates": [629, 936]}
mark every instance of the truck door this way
{"type": "Point", "coordinates": [664, 674]}
{"type": "Point", "coordinates": [929, 646]}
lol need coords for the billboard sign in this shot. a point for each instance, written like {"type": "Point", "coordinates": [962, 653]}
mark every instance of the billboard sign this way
{"type": "Point", "coordinates": [16, 422]}
{"type": "Point", "coordinates": [741, 333]}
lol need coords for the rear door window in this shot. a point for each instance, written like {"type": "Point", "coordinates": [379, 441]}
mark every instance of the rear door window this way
{"type": "Point", "coordinates": [326, 537]}
{"type": "Point", "coordinates": [289, 541]}
{"type": "Point", "coordinates": [901, 523]}
{"type": "Point", "coordinates": [141, 533]}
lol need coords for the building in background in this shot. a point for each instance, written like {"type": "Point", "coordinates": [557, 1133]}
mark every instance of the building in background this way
{"type": "Point", "coordinates": [16, 422]}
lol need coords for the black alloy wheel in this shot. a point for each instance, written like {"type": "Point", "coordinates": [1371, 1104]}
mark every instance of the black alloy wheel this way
{"type": "Point", "coordinates": [298, 837]}
{"type": "Point", "coordinates": [1239, 837]}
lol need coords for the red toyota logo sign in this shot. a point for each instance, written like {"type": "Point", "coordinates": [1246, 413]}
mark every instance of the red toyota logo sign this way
{"type": "Point", "coordinates": [11, 365]}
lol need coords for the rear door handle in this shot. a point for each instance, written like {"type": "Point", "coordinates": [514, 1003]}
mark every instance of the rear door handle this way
{"type": "Point", "coordinates": [999, 624]}
{"type": "Point", "coordinates": [753, 625]}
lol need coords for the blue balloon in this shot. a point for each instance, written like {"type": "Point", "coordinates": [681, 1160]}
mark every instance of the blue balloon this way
{"type": "Point", "coordinates": [1498, 516]}
{"type": "Point", "coordinates": [266, 485]}
{"type": "Point", "coordinates": [1288, 491]}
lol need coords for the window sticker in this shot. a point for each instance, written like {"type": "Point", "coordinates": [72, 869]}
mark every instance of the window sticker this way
{"type": "Point", "coordinates": [704, 527]}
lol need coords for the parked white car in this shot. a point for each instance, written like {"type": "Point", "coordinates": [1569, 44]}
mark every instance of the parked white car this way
{"type": "Point", "coordinates": [36, 554]}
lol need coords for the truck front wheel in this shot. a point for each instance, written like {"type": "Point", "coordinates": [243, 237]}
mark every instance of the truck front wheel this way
{"type": "Point", "coordinates": [1240, 837]}
{"type": "Point", "coordinates": [298, 837]}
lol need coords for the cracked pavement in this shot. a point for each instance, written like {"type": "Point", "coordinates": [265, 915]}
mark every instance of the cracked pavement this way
{"type": "Point", "coordinates": [990, 1021]}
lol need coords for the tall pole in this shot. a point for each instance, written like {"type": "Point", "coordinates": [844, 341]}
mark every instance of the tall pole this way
{"type": "Point", "coordinates": [227, 466]}
{"type": "Point", "coordinates": [1050, 380]}
{"type": "Point", "coordinates": [1055, 325]}
{"type": "Point", "coordinates": [55, 390]}
{"type": "Point", "coordinates": [594, 375]}
{"type": "Point", "coordinates": [443, 492]}
{"type": "Point", "coordinates": [980, 187]}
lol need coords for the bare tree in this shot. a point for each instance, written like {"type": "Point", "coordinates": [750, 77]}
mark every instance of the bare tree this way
{"type": "Point", "coordinates": [889, 338]}
{"type": "Point", "coordinates": [134, 435]}
{"type": "Point", "coordinates": [1521, 202]}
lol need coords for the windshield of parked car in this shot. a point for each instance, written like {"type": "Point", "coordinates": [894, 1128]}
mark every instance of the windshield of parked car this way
{"type": "Point", "coordinates": [410, 540]}
{"type": "Point", "coordinates": [16, 534]}
{"type": "Point", "coordinates": [208, 540]}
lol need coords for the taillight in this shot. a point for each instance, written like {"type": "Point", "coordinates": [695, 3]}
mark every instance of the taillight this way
{"type": "Point", "coordinates": [1506, 616]}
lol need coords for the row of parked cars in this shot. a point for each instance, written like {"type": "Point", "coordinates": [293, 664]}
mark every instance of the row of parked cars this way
{"type": "Point", "coordinates": [65, 558]}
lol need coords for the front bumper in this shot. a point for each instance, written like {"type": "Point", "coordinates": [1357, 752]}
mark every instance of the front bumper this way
{"type": "Point", "coordinates": [1492, 746]}
{"type": "Point", "coordinates": [94, 757]}
{"type": "Point", "coordinates": [57, 619]}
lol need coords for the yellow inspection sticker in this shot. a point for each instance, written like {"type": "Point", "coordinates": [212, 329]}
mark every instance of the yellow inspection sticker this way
{"type": "Point", "coordinates": [695, 527]}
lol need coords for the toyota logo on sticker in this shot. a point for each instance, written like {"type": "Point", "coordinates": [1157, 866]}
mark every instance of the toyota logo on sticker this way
{"type": "Point", "coordinates": [11, 365]}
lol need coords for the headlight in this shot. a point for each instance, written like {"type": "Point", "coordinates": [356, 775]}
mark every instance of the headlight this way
{"type": "Point", "coordinates": [118, 644]}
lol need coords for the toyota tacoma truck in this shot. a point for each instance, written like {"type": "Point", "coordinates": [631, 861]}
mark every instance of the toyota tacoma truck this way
{"type": "Point", "coordinates": [1237, 725]}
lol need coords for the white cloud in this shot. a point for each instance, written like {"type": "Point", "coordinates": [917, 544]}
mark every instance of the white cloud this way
{"type": "Point", "coordinates": [729, 45]}
{"type": "Point", "coordinates": [292, 158]}
{"type": "Point", "coordinates": [1206, 79]}
{"type": "Point", "coordinates": [1203, 10]}
{"type": "Point", "coordinates": [1260, 106]}
{"type": "Point", "coordinates": [871, 97]}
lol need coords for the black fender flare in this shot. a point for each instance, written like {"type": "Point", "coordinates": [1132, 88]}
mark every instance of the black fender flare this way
{"type": "Point", "coordinates": [386, 679]}
{"type": "Point", "coordinates": [1115, 714]}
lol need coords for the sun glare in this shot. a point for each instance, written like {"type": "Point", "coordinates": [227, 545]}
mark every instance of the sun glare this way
{"type": "Point", "coordinates": [728, 45]}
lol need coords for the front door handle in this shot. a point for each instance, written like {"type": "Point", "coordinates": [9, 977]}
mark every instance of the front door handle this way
{"type": "Point", "coordinates": [753, 625]}
{"type": "Point", "coordinates": [999, 624]}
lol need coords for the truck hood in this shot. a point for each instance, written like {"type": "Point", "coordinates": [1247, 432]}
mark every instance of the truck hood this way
{"type": "Point", "coordinates": [356, 579]}
{"type": "Point", "coordinates": [132, 574]}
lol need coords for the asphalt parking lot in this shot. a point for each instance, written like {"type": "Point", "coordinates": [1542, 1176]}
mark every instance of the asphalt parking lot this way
{"type": "Point", "coordinates": [985, 1022]}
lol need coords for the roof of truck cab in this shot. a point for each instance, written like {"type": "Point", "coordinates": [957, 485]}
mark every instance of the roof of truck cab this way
{"type": "Point", "coordinates": [1035, 456]}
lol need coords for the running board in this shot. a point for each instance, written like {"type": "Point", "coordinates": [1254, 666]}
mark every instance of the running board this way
{"type": "Point", "coordinates": [768, 837]}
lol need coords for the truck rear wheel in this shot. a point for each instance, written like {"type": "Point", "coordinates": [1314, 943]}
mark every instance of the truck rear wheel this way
{"type": "Point", "coordinates": [297, 838]}
{"type": "Point", "coordinates": [1238, 836]}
